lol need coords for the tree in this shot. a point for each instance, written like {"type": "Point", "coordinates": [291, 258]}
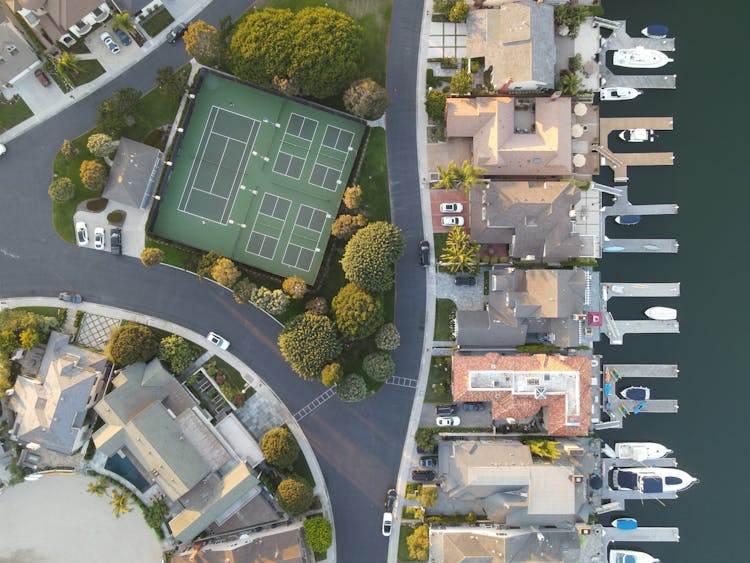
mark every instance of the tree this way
{"type": "Point", "coordinates": [123, 21]}
{"type": "Point", "coordinates": [418, 543]}
{"type": "Point", "coordinates": [379, 365]}
{"type": "Point", "coordinates": [387, 337]}
{"type": "Point", "coordinates": [569, 83]}
{"type": "Point", "coordinates": [61, 190]}
{"type": "Point", "coordinates": [156, 514]}
{"type": "Point", "coordinates": [101, 145]}
{"type": "Point", "coordinates": [295, 287]}
{"type": "Point", "coordinates": [370, 254]}
{"type": "Point", "coordinates": [470, 175]}
{"type": "Point", "coordinates": [94, 175]}
{"type": "Point", "coordinates": [358, 314]}
{"type": "Point", "coordinates": [294, 495]}
{"type": "Point", "coordinates": [120, 502]}
{"type": "Point", "coordinates": [260, 47]}
{"type": "Point", "coordinates": [18, 320]}
{"type": "Point", "coordinates": [345, 226]}
{"type": "Point", "coordinates": [286, 86]}
{"type": "Point", "coordinates": [98, 487]}
{"type": "Point", "coordinates": [279, 447]}
{"type": "Point", "coordinates": [115, 113]}
{"type": "Point", "coordinates": [5, 382]}
{"type": "Point", "coordinates": [435, 105]}
{"type": "Point", "coordinates": [332, 374]}
{"type": "Point", "coordinates": [459, 12]}
{"type": "Point", "coordinates": [424, 438]}
{"type": "Point", "coordinates": [244, 290]}
{"type": "Point", "coordinates": [318, 534]}
{"type": "Point", "coordinates": [152, 256]}
{"type": "Point", "coordinates": [29, 338]}
{"type": "Point", "coordinates": [175, 351]}
{"type": "Point", "coordinates": [429, 495]}
{"type": "Point", "coordinates": [131, 343]}
{"type": "Point", "coordinates": [202, 42]}
{"type": "Point", "coordinates": [444, 6]}
{"type": "Point", "coordinates": [205, 264]}
{"type": "Point", "coordinates": [8, 342]}
{"type": "Point", "coordinates": [172, 83]}
{"type": "Point", "coordinates": [544, 448]}
{"type": "Point", "coordinates": [317, 306]}
{"type": "Point", "coordinates": [352, 388]}
{"type": "Point", "coordinates": [274, 302]}
{"type": "Point", "coordinates": [67, 64]}
{"type": "Point", "coordinates": [66, 149]}
{"type": "Point", "coordinates": [353, 197]}
{"type": "Point", "coordinates": [308, 342]}
{"type": "Point", "coordinates": [460, 253]}
{"type": "Point", "coordinates": [225, 272]}
{"type": "Point", "coordinates": [366, 98]}
{"type": "Point", "coordinates": [461, 82]}
{"type": "Point", "coordinates": [326, 51]}
{"type": "Point", "coordinates": [454, 177]}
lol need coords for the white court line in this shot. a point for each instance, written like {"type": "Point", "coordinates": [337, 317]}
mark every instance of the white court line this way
{"type": "Point", "coordinates": [218, 167]}
{"type": "Point", "coordinates": [247, 162]}
{"type": "Point", "coordinates": [229, 138]}
{"type": "Point", "coordinates": [181, 207]}
{"type": "Point", "coordinates": [288, 165]}
{"type": "Point", "coordinates": [309, 181]}
{"type": "Point", "coordinates": [207, 192]}
{"type": "Point", "coordinates": [295, 225]}
{"type": "Point", "coordinates": [240, 168]}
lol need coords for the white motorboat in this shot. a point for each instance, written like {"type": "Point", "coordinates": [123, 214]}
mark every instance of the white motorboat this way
{"type": "Point", "coordinates": [651, 480]}
{"type": "Point", "coordinates": [640, 451]}
{"type": "Point", "coordinates": [640, 57]}
{"type": "Point", "coordinates": [636, 393]}
{"type": "Point", "coordinates": [661, 313]}
{"type": "Point", "coordinates": [655, 31]}
{"type": "Point", "coordinates": [639, 135]}
{"type": "Point", "coordinates": [620, 93]}
{"type": "Point", "coordinates": [630, 556]}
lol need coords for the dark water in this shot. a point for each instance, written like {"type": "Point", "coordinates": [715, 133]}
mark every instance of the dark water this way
{"type": "Point", "coordinates": [709, 182]}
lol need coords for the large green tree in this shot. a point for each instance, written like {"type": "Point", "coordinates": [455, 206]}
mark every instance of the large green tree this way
{"type": "Point", "coordinates": [455, 177]}
{"type": "Point", "coordinates": [352, 388]}
{"type": "Point", "coordinates": [366, 99]}
{"type": "Point", "coordinates": [461, 82]}
{"type": "Point", "coordinates": [358, 314]}
{"type": "Point", "coordinates": [131, 343]}
{"type": "Point", "coordinates": [116, 112]}
{"type": "Point", "coordinates": [460, 253]}
{"type": "Point", "coordinates": [308, 343]}
{"type": "Point", "coordinates": [260, 47]}
{"type": "Point", "coordinates": [175, 350]}
{"type": "Point", "coordinates": [370, 254]}
{"type": "Point", "coordinates": [318, 534]}
{"type": "Point", "coordinates": [294, 495]}
{"type": "Point", "coordinates": [379, 365]}
{"type": "Point", "coordinates": [435, 105]}
{"type": "Point", "coordinates": [279, 447]}
{"type": "Point", "coordinates": [202, 42]}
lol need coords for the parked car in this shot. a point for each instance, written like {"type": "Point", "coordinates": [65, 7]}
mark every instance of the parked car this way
{"type": "Point", "coordinates": [115, 241]}
{"type": "Point", "coordinates": [390, 503]}
{"type": "Point", "coordinates": [428, 461]}
{"type": "Point", "coordinates": [390, 500]}
{"type": "Point", "coordinates": [446, 409]}
{"type": "Point", "coordinates": [70, 297]}
{"type": "Point", "coordinates": [424, 253]}
{"type": "Point", "coordinates": [217, 340]}
{"type": "Point", "coordinates": [465, 280]}
{"type": "Point", "coordinates": [2, 149]}
{"type": "Point", "coordinates": [448, 421]}
{"type": "Point", "coordinates": [41, 77]}
{"type": "Point", "coordinates": [451, 207]}
{"type": "Point", "coordinates": [82, 234]}
{"type": "Point", "coordinates": [122, 36]}
{"type": "Point", "coordinates": [475, 406]}
{"type": "Point", "coordinates": [387, 523]}
{"type": "Point", "coordinates": [422, 475]}
{"type": "Point", "coordinates": [100, 239]}
{"type": "Point", "coordinates": [452, 221]}
{"type": "Point", "coordinates": [177, 32]}
{"type": "Point", "coordinates": [110, 43]}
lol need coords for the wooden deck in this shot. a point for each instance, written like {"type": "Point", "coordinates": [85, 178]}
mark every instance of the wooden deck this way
{"type": "Point", "coordinates": [619, 162]}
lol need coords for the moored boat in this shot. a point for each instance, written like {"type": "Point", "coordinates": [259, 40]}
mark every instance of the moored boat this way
{"type": "Point", "coordinates": [614, 248]}
{"type": "Point", "coordinates": [652, 480]}
{"type": "Point", "coordinates": [628, 219]}
{"type": "Point", "coordinates": [625, 524]}
{"type": "Point", "coordinates": [618, 93]}
{"type": "Point", "coordinates": [630, 556]}
{"type": "Point", "coordinates": [636, 393]}
{"type": "Point", "coordinates": [661, 313]}
{"type": "Point", "coordinates": [640, 451]}
{"type": "Point", "coordinates": [640, 57]}
{"type": "Point", "coordinates": [639, 135]}
{"type": "Point", "coordinates": [655, 31]}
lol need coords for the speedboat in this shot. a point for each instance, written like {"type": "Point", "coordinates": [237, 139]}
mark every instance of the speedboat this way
{"type": "Point", "coordinates": [636, 393]}
{"type": "Point", "coordinates": [614, 248]}
{"type": "Point", "coordinates": [625, 524]}
{"type": "Point", "coordinates": [652, 479]}
{"type": "Point", "coordinates": [640, 57]}
{"type": "Point", "coordinates": [640, 451]}
{"type": "Point", "coordinates": [628, 219]}
{"type": "Point", "coordinates": [639, 135]}
{"type": "Point", "coordinates": [655, 31]}
{"type": "Point", "coordinates": [630, 556]}
{"type": "Point", "coordinates": [619, 93]}
{"type": "Point", "coordinates": [661, 313]}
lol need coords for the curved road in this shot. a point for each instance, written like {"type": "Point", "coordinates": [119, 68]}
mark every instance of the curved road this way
{"type": "Point", "coordinates": [358, 446]}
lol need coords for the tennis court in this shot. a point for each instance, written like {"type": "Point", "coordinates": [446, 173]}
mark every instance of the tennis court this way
{"type": "Point", "coordinates": [259, 177]}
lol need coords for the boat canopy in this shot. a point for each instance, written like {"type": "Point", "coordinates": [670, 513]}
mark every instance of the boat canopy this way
{"type": "Point", "coordinates": [651, 484]}
{"type": "Point", "coordinates": [657, 29]}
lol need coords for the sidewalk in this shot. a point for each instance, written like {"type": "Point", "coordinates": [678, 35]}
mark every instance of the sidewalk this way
{"type": "Point", "coordinates": [182, 11]}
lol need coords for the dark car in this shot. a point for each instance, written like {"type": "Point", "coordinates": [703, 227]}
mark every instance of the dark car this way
{"type": "Point", "coordinates": [390, 500]}
{"type": "Point", "coordinates": [474, 406]}
{"type": "Point", "coordinates": [70, 297]}
{"type": "Point", "coordinates": [177, 32]}
{"type": "Point", "coordinates": [122, 36]}
{"type": "Point", "coordinates": [423, 475]}
{"type": "Point", "coordinates": [428, 461]}
{"type": "Point", "coordinates": [465, 280]}
{"type": "Point", "coordinates": [115, 241]}
{"type": "Point", "coordinates": [424, 253]}
{"type": "Point", "coordinates": [41, 77]}
{"type": "Point", "coordinates": [442, 410]}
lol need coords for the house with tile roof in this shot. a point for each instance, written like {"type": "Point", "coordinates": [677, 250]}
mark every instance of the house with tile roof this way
{"type": "Point", "coordinates": [50, 410]}
{"type": "Point", "coordinates": [555, 387]}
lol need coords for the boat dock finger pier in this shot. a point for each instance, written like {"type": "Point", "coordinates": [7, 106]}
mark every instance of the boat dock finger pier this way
{"type": "Point", "coordinates": [619, 162]}
{"type": "Point", "coordinates": [640, 534]}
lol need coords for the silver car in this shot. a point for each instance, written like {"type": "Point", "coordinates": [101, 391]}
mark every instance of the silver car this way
{"type": "Point", "coordinates": [110, 43]}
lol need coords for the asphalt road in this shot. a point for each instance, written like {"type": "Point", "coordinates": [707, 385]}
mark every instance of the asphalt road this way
{"type": "Point", "coordinates": [358, 446]}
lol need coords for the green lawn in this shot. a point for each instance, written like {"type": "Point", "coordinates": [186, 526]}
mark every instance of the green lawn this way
{"type": "Point", "coordinates": [157, 21]}
{"type": "Point", "coordinates": [439, 381]}
{"type": "Point", "coordinates": [13, 113]}
{"type": "Point", "coordinates": [444, 309]}
{"type": "Point", "coordinates": [373, 177]}
{"type": "Point", "coordinates": [43, 311]}
{"type": "Point", "coordinates": [79, 48]}
{"type": "Point", "coordinates": [185, 259]}
{"type": "Point", "coordinates": [439, 243]}
{"type": "Point", "coordinates": [89, 69]}
{"type": "Point", "coordinates": [403, 550]}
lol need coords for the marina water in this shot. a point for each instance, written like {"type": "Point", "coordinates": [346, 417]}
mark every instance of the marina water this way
{"type": "Point", "coordinates": [709, 182]}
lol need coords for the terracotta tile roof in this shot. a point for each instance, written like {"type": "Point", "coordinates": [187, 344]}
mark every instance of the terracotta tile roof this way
{"type": "Point", "coordinates": [561, 416]}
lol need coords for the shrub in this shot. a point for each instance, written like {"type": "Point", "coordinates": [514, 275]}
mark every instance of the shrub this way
{"type": "Point", "coordinates": [459, 12]}
{"type": "Point", "coordinates": [67, 148]}
{"type": "Point", "coordinates": [461, 82]}
{"type": "Point", "coordinates": [274, 301]}
{"type": "Point", "coordinates": [97, 205]}
{"type": "Point", "coordinates": [225, 272]}
{"type": "Point", "coordinates": [101, 145]}
{"type": "Point", "coordinates": [61, 190]}
{"type": "Point", "coordinates": [317, 306]}
{"type": "Point", "coordinates": [294, 495]}
{"type": "Point", "coordinates": [352, 388]}
{"type": "Point", "coordinates": [29, 338]}
{"type": "Point", "coordinates": [418, 543]}
{"type": "Point", "coordinates": [352, 197]}
{"type": "Point", "coordinates": [308, 343]}
{"type": "Point", "coordinates": [435, 105]}
{"type": "Point", "coordinates": [116, 218]}
{"type": "Point", "coordinates": [575, 63]}
{"type": "Point", "coordinates": [425, 439]}
{"type": "Point", "coordinates": [156, 514]}
{"type": "Point", "coordinates": [8, 342]}
{"type": "Point", "coordinates": [379, 365]}
{"type": "Point", "coordinates": [429, 495]}
{"type": "Point", "coordinates": [202, 42]}
{"type": "Point", "coordinates": [152, 256]}
{"type": "Point", "coordinates": [358, 314]}
{"type": "Point", "coordinates": [279, 447]}
{"type": "Point", "coordinates": [295, 287]}
{"type": "Point", "coordinates": [345, 225]}
{"type": "Point", "coordinates": [388, 337]}
{"type": "Point", "coordinates": [131, 343]}
{"type": "Point", "coordinates": [366, 99]}
{"type": "Point", "coordinates": [244, 290]}
{"type": "Point", "coordinates": [176, 352]}
{"type": "Point", "coordinates": [332, 374]}
{"type": "Point", "coordinates": [93, 175]}
{"type": "Point", "coordinates": [318, 534]}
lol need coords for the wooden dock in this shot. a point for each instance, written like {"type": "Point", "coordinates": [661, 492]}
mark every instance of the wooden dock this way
{"type": "Point", "coordinates": [619, 162]}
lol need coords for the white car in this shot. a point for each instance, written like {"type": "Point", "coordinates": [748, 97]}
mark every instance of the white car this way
{"type": "Point", "coordinates": [448, 421]}
{"type": "Point", "coordinates": [387, 523]}
{"type": "Point", "coordinates": [217, 340]}
{"type": "Point", "coordinates": [99, 238]}
{"type": "Point", "coordinates": [451, 207]}
{"type": "Point", "coordinates": [110, 43]}
{"type": "Point", "coordinates": [2, 149]}
{"type": "Point", "coordinates": [82, 234]}
{"type": "Point", "coordinates": [452, 221]}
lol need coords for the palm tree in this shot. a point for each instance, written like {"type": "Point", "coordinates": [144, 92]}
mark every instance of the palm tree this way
{"type": "Point", "coordinates": [544, 448]}
{"type": "Point", "coordinates": [470, 175]}
{"type": "Point", "coordinates": [122, 21]}
{"type": "Point", "coordinates": [569, 83]}
{"type": "Point", "coordinates": [450, 177]}
{"type": "Point", "coordinates": [460, 252]}
{"type": "Point", "coordinates": [120, 502]}
{"type": "Point", "coordinates": [98, 487]}
{"type": "Point", "coordinates": [67, 62]}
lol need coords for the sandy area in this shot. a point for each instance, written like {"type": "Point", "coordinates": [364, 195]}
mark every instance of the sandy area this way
{"type": "Point", "coordinates": [55, 520]}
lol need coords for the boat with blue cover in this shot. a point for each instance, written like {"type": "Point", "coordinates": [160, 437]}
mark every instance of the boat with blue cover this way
{"type": "Point", "coordinates": [652, 480]}
{"type": "Point", "coordinates": [655, 31]}
{"type": "Point", "coordinates": [628, 219]}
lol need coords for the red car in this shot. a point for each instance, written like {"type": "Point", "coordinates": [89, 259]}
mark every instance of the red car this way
{"type": "Point", "coordinates": [41, 77]}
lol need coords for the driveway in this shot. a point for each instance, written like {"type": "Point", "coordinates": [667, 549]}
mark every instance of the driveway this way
{"type": "Point", "coordinates": [101, 52]}
{"type": "Point", "coordinates": [448, 196]}
{"type": "Point", "coordinates": [36, 96]}
{"type": "Point", "coordinates": [133, 229]}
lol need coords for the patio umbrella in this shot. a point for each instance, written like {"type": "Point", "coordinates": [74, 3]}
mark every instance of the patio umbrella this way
{"type": "Point", "coordinates": [576, 131]}
{"type": "Point", "coordinates": [589, 67]}
{"type": "Point", "coordinates": [579, 109]}
{"type": "Point", "coordinates": [579, 160]}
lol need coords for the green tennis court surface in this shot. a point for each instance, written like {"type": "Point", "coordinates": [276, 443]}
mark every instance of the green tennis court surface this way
{"type": "Point", "coordinates": [258, 178]}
